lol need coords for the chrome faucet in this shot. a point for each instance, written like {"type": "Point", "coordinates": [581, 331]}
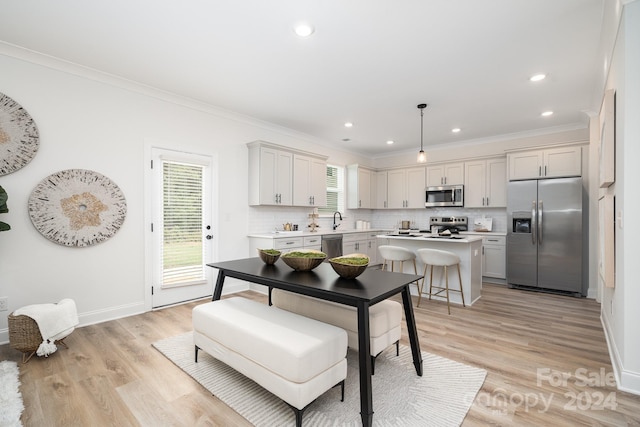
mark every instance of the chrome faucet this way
{"type": "Point", "coordinates": [334, 220]}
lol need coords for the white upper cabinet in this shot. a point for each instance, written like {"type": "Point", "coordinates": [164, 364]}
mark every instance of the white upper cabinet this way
{"type": "Point", "coordinates": [380, 200]}
{"type": "Point", "coordinates": [271, 176]}
{"type": "Point", "coordinates": [309, 181]}
{"type": "Point", "coordinates": [416, 186]}
{"type": "Point", "coordinates": [406, 188]}
{"type": "Point", "coordinates": [445, 174]}
{"type": "Point", "coordinates": [272, 172]}
{"type": "Point", "coordinates": [485, 183]}
{"type": "Point", "coordinates": [549, 163]}
{"type": "Point", "coordinates": [396, 189]}
{"type": "Point", "coordinates": [358, 187]}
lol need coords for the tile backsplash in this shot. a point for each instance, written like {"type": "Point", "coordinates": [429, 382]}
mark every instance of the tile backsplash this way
{"type": "Point", "coordinates": [270, 218]}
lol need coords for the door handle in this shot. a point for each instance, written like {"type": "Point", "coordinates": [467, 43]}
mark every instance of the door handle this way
{"type": "Point", "coordinates": [540, 222]}
{"type": "Point", "coordinates": [209, 237]}
{"type": "Point", "coordinates": [534, 222]}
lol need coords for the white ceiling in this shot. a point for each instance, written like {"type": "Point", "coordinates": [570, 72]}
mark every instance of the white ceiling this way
{"type": "Point", "coordinates": [369, 61]}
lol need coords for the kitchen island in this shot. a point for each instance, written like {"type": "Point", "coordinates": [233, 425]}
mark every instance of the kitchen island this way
{"type": "Point", "coordinates": [467, 247]}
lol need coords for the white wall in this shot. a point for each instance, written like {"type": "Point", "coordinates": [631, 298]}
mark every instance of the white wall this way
{"type": "Point", "coordinates": [620, 313]}
{"type": "Point", "coordinates": [91, 121]}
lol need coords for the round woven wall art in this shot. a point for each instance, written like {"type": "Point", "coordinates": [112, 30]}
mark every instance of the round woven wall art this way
{"type": "Point", "coordinates": [77, 207]}
{"type": "Point", "coordinates": [19, 138]}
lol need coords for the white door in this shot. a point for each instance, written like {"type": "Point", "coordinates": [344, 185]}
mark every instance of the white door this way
{"type": "Point", "coordinates": [181, 227]}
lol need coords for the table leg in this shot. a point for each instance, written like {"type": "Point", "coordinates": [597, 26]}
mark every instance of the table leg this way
{"type": "Point", "coordinates": [217, 293]}
{"type": "Point", "coordinates": [412, 330]}
{"type": "Point", "coordinates": [364, 352]}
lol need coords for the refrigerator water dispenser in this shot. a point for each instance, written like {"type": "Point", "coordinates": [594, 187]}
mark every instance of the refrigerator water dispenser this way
{"type": "Point", "coordinates": [522, 225]}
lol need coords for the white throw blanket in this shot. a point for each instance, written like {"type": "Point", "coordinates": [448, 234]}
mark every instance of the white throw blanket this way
{"type": "Point", "coordinates": [55, 322]}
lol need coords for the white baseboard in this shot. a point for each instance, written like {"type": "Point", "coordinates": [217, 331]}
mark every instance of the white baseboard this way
{"type": "Point", "coordinates": [626, 380]}
{"type": "Point", "coordinates": [96, 316]}
{"type": "Point", "coordinates": [111, 313]}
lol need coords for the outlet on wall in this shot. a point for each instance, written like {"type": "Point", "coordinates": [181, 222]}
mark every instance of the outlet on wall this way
{"type": "Point", "coordinates": [4, 303]}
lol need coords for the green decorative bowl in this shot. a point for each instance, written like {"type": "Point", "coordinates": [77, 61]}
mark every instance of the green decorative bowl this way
{"type": "Point", "coordinates": [350, 266]}
{"type": "Point", "coordinates": [304, 260]}
{"type": "Point", "coordinates": [269, 256]}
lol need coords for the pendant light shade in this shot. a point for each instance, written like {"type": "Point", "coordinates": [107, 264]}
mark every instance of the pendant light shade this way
{"type": "Point", "coordinates": [422, 157]}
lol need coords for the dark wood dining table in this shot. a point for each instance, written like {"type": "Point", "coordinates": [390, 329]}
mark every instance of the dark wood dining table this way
{"type": "Point", "coordinates": [323, 282]}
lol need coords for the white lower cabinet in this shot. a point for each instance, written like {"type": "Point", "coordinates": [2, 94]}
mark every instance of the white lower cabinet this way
{"type": "Point", "coordinates": [494, 257]}
{"type": "Point", "coordinates": [361, 243]}
{"type": "Point", "coordinates": [284, 244]}
{"type": "Point", "coordinates": [312, 242]}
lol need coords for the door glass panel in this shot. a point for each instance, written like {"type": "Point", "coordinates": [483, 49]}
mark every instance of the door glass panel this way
{"type": "Point", "coordinates": [183, 249]}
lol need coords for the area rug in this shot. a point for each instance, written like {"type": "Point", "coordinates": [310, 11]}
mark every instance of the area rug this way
{"type": "Point", "coordinates": [11, 405]}
{"type": "Point", "coordinates": [441, 397]}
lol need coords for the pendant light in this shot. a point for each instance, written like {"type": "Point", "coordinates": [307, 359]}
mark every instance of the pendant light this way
{"type": "Point", "coordinates": [422, 157]}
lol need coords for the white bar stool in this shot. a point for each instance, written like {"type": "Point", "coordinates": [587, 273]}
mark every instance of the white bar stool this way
{"type": "Point", "coordinates": [438, 258]}
{"type": "Point", "coordinates": [396, 253]}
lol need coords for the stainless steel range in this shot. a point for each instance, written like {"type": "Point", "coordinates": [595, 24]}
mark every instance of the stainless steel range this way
{"type": "Point", "coordinates": [453, 224]}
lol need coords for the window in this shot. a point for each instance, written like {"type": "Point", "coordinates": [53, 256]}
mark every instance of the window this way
{"type": "Point", "coordinates": [182, 248]}
{"type": "Point", "coordinates": [335, 190]}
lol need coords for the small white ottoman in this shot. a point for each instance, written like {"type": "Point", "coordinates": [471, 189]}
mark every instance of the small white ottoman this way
{"type": "Point", "coordinates": [294, 357]}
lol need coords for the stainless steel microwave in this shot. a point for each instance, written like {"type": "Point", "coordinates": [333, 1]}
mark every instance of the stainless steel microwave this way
{"type": "Point", "coordinates": [446, 195]}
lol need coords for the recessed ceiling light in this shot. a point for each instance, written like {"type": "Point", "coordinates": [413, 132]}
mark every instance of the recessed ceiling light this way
{"type": "Point", "coordinates": [389, 142]}
{"type": "Point", "coordinates": [348, 125]}
{"type": "Point", "coordinates": [547, 113]}
{"type": "Point", "coordinates": [537, 77]}
{"type": "Point", "coordinates": [456, 130]}
{"type": "Point", "coordinates": [304, 30]}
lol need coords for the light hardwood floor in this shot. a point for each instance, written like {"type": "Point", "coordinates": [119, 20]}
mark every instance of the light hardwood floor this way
{"type": "Point", "coordinates": [540, 351]}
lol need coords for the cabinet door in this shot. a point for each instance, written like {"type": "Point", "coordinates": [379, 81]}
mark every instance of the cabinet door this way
{"type": "Point", "coordinates": [318, 180]}
{"type": "Point", "coordinates": [454, 174]}
{"type": "Point", "coordinates": [396, 189]}
{"type": "Point", "coordinates": [301, 180]}
{"type": "Point", "coordinates": [445, 174]}
{"type": "Point", "coordinates": [309, 181]}
{"type": "Point", "coordinates": [268, 185]}
{"type": "Point", "coordinates": [415, 188]}
{"type": "Point", "coordinates": [525, 165]}
{"type": "Point", "coordinates": [276, 177]}
{"type": "Point", "coordinates": [565, 161]}
{"type": "Point", "coordinates": [475, 184]}
{"type": "Point", "coordinates": [494, 261]}
{"type": "Point", "coordinates": [496, 186]}
{"type": "Point", "coordinates": [372, 250]}
{"type": "Point", "coordinates": [364, 188]}
{"type": "Point", "coordinates": [349, 248]}
{"type": "Point", "coordinates": [358, 187]}
{"type": "Point", "coordinates": [435, 176]}
{"type": "Point", "coordinates": [380, 199]}
{"type": "Point", "coordinates": [284, 178]}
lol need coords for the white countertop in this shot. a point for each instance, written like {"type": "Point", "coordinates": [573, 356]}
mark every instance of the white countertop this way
{"type": "Point", "coordinates": [426, 237]}
{"type": "Point", "coordinates": [485, 233]}
{"type": "Point", "coordinates": [319, 232]}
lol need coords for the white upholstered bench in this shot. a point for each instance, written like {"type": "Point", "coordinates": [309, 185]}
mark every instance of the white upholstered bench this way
{"type": "Point", "coordinates": [385, 318]}
{"type": "Point", "coordinates": [294, 357]}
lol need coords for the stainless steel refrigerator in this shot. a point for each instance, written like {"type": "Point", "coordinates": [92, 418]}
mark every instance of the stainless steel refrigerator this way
{"type": "Point", "coordinates": [546, 228]}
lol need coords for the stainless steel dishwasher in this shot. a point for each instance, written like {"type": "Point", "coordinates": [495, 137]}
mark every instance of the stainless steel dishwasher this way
{"type": "Point", "coordinates": [332, 245]}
